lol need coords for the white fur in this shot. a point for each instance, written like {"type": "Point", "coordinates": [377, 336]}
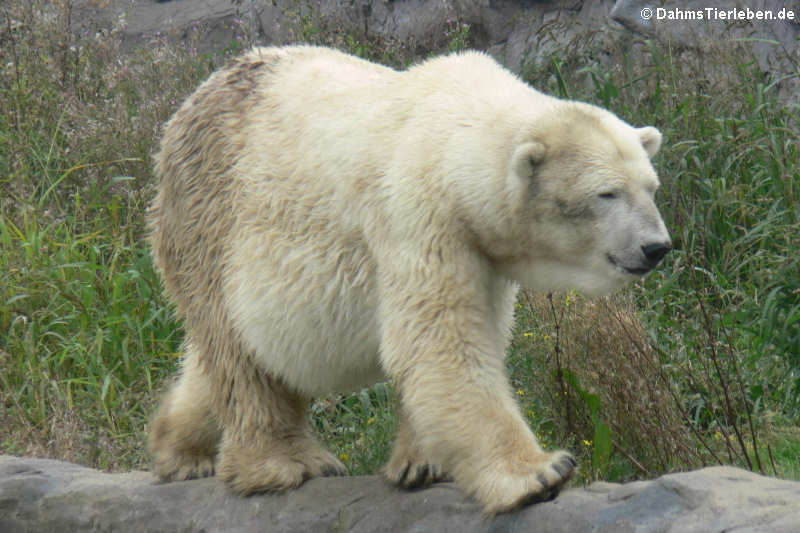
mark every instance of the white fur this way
{"type": "Point", "coordinates": [351, 157]}
{"type": "Point", "coordinates": [382, 222]}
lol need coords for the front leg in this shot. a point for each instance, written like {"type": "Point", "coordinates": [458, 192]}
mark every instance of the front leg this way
{"type": "Point", "coordinates": [408, 466]}
{"type": "Point", "coordinates": [443, 347]}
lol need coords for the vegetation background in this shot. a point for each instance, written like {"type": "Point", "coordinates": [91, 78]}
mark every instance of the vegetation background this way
{"type": "Point", "coordinates": [697, 365]}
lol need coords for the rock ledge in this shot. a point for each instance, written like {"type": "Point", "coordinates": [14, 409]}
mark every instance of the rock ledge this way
{"type": "Point", "coordinates": [41, 495]}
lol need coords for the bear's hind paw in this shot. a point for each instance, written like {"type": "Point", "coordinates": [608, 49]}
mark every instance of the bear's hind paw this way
{"type": "Point", "coordinates": [280, 466]}
{"type": "Point", "coordinates": [183, 467]}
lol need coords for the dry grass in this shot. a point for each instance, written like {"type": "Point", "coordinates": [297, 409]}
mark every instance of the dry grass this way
{"type": "Point", "coordinates": [593, 362]}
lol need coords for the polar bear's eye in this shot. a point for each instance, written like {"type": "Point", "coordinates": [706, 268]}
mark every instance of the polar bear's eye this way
{"type": "Point", "coordinates": [607, 195]}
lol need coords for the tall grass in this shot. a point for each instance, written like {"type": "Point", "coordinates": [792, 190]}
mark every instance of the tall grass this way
{"type": "Point", "coordinates": [721, 317]}
{"type": "Point", "coordinates": [85, 334]}
{"type": "Point", "coordinates": [699, 364]}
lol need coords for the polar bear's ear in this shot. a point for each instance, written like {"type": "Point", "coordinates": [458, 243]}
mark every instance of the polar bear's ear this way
{"type": "Point", "coordinates": [651, 139]}
{"type": "Point", "coordinates": [526, 157]}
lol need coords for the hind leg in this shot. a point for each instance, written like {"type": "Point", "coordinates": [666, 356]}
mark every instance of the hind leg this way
{"type": "Point", "coordinates": [267, 444]}
{"type": "Point", "coordinates": [184, 434]}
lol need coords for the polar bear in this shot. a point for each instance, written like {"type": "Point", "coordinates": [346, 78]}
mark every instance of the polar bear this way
{"type": "Point", "coordinates": [323, 222]}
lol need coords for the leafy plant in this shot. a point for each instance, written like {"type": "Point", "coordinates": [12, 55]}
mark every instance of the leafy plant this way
{"type": "Point", "coordinates": [601, 441]}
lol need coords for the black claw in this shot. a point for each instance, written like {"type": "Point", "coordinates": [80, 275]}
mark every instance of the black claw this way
{"type": "Point", "coordinates": [562, 469]}
{"type": "Point", "coordinates": [529, 499]}
{"type": "Point", "coordinates": [332, 471]}
{"type": "Point", "coordinates": [546, 495]}
{"type": "Point", "coordinates": [415, 476]}
{"type": "Point", "coordinates": [550, 495]}
{"type": "Point", "coordinates": [422, 475]}
{"type": "Point", "coordinates": [543, 481]}
{"type": "Point", "coordinates": [402, 479]}
{"type": "Point", "coordinates": [565, 466]}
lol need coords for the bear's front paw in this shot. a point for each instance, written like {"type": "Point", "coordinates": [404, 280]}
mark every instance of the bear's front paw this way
{"type": "Point", "coordinates": [412, 474]}
{"type": "Point", "coordinates": [408, 467]}
{"type": "Point", "coordinates": [505, 489]}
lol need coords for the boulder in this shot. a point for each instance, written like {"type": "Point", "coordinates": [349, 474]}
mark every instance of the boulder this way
{"type": "Point", "coordinates": [516, 30]}
{"type": "Point", "coordinates": [771, 28]}
{"type": "Point", "coordinates": [519, 33]}
{"type": "Point", "coordinates": [41, 495]}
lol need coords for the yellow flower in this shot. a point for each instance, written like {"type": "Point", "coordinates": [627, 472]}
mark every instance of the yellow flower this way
{"type": "Point", "coordinates": [570, 298]}
{"type": "Point", "coordinates": [587, 442]}
{"type": "Point", "coordinates": [520, 392]}
{"type": "Point", "coordinates": [371, 420]}
{"type": "Point", "coordinates": [344, 457]}
{"type": "Point", "coordinates": [527, 334]}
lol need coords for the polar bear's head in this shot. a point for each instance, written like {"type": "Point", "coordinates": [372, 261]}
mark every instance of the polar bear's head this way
{"type": "Point", "coordinates": [584, 213]}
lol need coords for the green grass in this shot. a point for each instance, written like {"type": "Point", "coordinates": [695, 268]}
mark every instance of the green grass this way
{"type": "Point", "coordinates": [359, 427]}
{"type": "Point", "coordinates": [85, 331]}
{"type": "Point", "coordinates": [86, 338]}
{"type": "Point", "coordinates": [699, 364]}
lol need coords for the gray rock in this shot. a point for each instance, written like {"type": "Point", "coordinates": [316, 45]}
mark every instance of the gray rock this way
{"type": "Point", "coordinates": [700, 25]}
{"type": "Point", "coordinates": [516, 31]}
{"type": "Point", "coordinates": [40, 495]}
{"type": "Point", "coordinates": [519, 33]}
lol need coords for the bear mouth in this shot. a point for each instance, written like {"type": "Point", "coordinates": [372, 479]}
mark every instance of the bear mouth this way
{"type": "Point", "coordinates": [633, 271]}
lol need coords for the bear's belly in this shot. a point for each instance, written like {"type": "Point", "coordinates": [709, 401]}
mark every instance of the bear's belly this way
{"type": "Point", "coordinates": [308, 315]}
{"type": "Point", "coordinates": [317, 354]}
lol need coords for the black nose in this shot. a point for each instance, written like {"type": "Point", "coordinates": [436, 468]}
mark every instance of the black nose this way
{"type": "Point", "coordinates": [656, 251]}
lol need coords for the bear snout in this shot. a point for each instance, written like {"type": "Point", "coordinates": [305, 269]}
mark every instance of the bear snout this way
{"type": "Point", "coordinates": [655, 252]}
{"type": "Point", "coordinates": [652, 254]}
